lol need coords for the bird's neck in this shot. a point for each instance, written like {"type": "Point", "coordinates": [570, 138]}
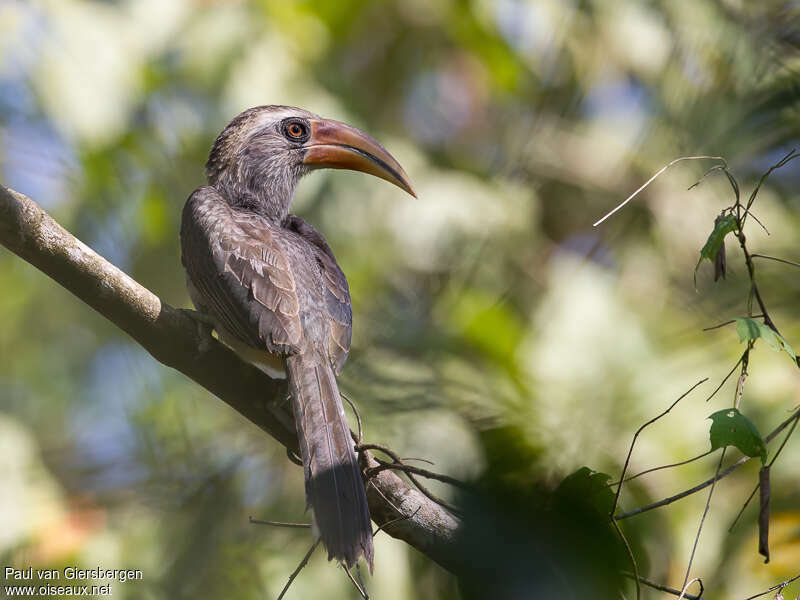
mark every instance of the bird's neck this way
{"type": "Point", "coordinates": [259, 194]}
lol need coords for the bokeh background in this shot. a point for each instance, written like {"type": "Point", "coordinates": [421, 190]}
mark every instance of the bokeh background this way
{"type": "Point", "coordinates": [494, 326]}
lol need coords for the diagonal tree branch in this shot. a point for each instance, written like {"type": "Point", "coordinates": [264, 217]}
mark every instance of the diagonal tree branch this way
{"type": "Point", "coordinates": [173, 339]}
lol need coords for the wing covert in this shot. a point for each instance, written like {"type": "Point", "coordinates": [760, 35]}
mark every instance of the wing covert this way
{"type": "Point", "coordinates": [242, 273]}
{"type": "Point", "coordinates": [337, 293]}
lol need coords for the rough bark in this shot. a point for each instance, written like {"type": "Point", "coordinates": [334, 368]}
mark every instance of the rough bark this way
{"type": "Point", "coordinates": [174, 339]}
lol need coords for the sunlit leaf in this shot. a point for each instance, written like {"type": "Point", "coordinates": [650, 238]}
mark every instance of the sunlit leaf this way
{"type": "Point", "coordinates": [750, 329]}
{"type": "Point", "coordinates": [729, 427]}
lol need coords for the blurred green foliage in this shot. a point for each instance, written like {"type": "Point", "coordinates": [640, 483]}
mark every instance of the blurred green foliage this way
{"type": "Point", "coordinates": [496, 332]}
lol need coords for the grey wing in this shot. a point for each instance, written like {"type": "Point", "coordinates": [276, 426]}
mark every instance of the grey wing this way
{"type": "Point", "coordinates": [340, 313]}
{"type": "Point", "coordinates": [242, 272]}
{"type": "Point", "coordinates": [337, 293]}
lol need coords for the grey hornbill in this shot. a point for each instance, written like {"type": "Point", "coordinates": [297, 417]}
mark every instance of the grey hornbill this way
{"type": "Point", "coordinates": [269, 284]}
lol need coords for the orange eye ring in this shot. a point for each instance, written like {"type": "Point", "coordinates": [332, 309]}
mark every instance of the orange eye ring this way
{"type": "Point", "coordinates": [295, 130]}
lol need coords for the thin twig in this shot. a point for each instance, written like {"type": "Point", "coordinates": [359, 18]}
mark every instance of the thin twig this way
{"type": "Point", "coordinates": [755, 218]}
{"type": "Point", "coordinates": [781, 260]}
{"type": "Point", "coordinates": [631, 556]}
{"type": "Point", "coordinates": [728, 323]}
{"type": "Point", "coordinates": [389, 502]}
{"type": "Point", "coordinates": [622, 480]}
{"type": "Point", "coordinates": [649, 181]}
{"type": "Point", "coordinates": [358, 418]}
{"type": "Point", "coordinates": [419, 485]}
{"type": "Point", "coordinates": [754, 291]}
{"type": "Point", "coordinates": [683, 494]}
{"type": "Point", "coordinates": [425, 460]}
{"type": "Point", "coordinates": [279, 523]}
{"type": "Point", "coordinates": [665, 588]}
{"type": "Point", "coordinates": [684, 593]}
{"type": "Point", "coordinates": [794, 418]}
{"type": "Point", "coordinates": [431, 496]}
{"type": "Point", "coordinates": [409, 471]}
{"type": "Point", "coordinates": [393, 521]}
{"type": "Point", "coordinates": [744, 506]}
{"type": "Point", "coordinates": [771, 462]}
{"type": "Point", "coordinates": [299, 568]}
{"type": "Point", "coordinates": [738, 393]}
{"type": "Point", "coordinates": [360, 588]}
{"type": "Point", "coordinates": [702, 521]}
{"type": "Point", "coordinates": [636, 435]}
{"type": "Point", "coordinates": [360, 580]}
{"type": "Point", "coordinates": [785, 160]}
{"type": "Point", "coordinates": [724, 379]}
{"type": "Point", "coordinates": [724, 169]}
{"type": "Point", "coordinates": [751, 269]}
{"type": "Point", "coordinates": [677, 464]}
{"type": "Point", "coordinates": [708, 482]}
{"type": "Point", "coordinates": [384, 466]}
{"type": "Point", "coordinates": [777, 587]}
{"type": "Point", "coordinates": [720, 325]}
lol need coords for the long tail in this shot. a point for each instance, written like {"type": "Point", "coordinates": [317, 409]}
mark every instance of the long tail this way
{"type": "Point", "coordinates": [334, 488]}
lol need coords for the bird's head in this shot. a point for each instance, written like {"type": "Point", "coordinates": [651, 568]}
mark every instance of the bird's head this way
{"type": "Point", "coordinates": [260, 156]}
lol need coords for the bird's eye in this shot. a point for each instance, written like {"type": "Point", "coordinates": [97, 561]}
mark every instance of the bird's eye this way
{"type": "Point", "coordinates": [296, 131]}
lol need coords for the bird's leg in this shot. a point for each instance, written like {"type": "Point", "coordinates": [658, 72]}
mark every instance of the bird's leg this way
{"type": "Point", "coordinates": [205, 325]}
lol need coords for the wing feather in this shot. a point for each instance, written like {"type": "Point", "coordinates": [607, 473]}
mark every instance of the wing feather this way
{"type": "Point", "coordinates": [337, 293]}
{"type": "Point", "coordinates": [238, 265]}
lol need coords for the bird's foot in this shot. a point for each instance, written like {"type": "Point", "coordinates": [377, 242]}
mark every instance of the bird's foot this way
{"type": "Point", "coordinates": [204, 324]}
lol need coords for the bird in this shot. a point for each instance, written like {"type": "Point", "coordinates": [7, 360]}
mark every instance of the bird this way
{"type": "Point", "coordinates": [269, 285]}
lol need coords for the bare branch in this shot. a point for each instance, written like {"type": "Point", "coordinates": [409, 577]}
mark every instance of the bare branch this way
{"type": "Point", "coordinates": [771, 462]}
{"type": "Point", "coordinates": [636, 435]}
{"type": "Point", "coordinates": [708, 482]}
{"type": "Point", "coordinates": [629, 550]}
{"type": "Point", "coordinates": [612, 515]}
{"type": "Point", "coordinates": [665, 588]}
{"type": "Point", "coordinates": [173, 339]}
{"type": "Point", "coordinates": [401, 466]}
{"type": "Point", "coordinates": [686, 587]}
{"type": "Point", "coordinates": [358, 585]}
{"type": "Point", "coordinates": [662, 467]}
{"type": "Point", "coordinates": [686, 582]}
{"type": "Point", "coordinates": [793, 154]}
{"type": "Point", "coordinates": [392, 522]}
{"type": "Point", "coordinates": [724, 379]}
{"type": "Point", "coordinates": [775, 588]}
{"type": "Point", "coordinates": [781, 260]}
{"type": "Point", "coordinates": [299, 568]}
{"type": "Point", "coordinates": [728, 323]}
{"type": "Point", "coordinates": [279, 523]}
{"type": "Point", "coordinates": [653, 178]}
{"type": "Point", "coordinates": [410, 472]}
{"type": "Point", "coordinates": [360, 434]}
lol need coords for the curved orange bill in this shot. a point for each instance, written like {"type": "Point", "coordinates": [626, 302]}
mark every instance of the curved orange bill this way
{"type": "Point", "coordinates": [336, 145]}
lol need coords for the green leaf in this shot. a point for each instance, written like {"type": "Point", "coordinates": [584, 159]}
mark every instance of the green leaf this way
{"type": "Point", "coordinates": [729, 427]}
{"type": "Point", "coordinates": [723, 225]}
{"type": "Point", "coordinates": [587, 486]}
{"type": "Point", "coordinates": [750, 329]}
